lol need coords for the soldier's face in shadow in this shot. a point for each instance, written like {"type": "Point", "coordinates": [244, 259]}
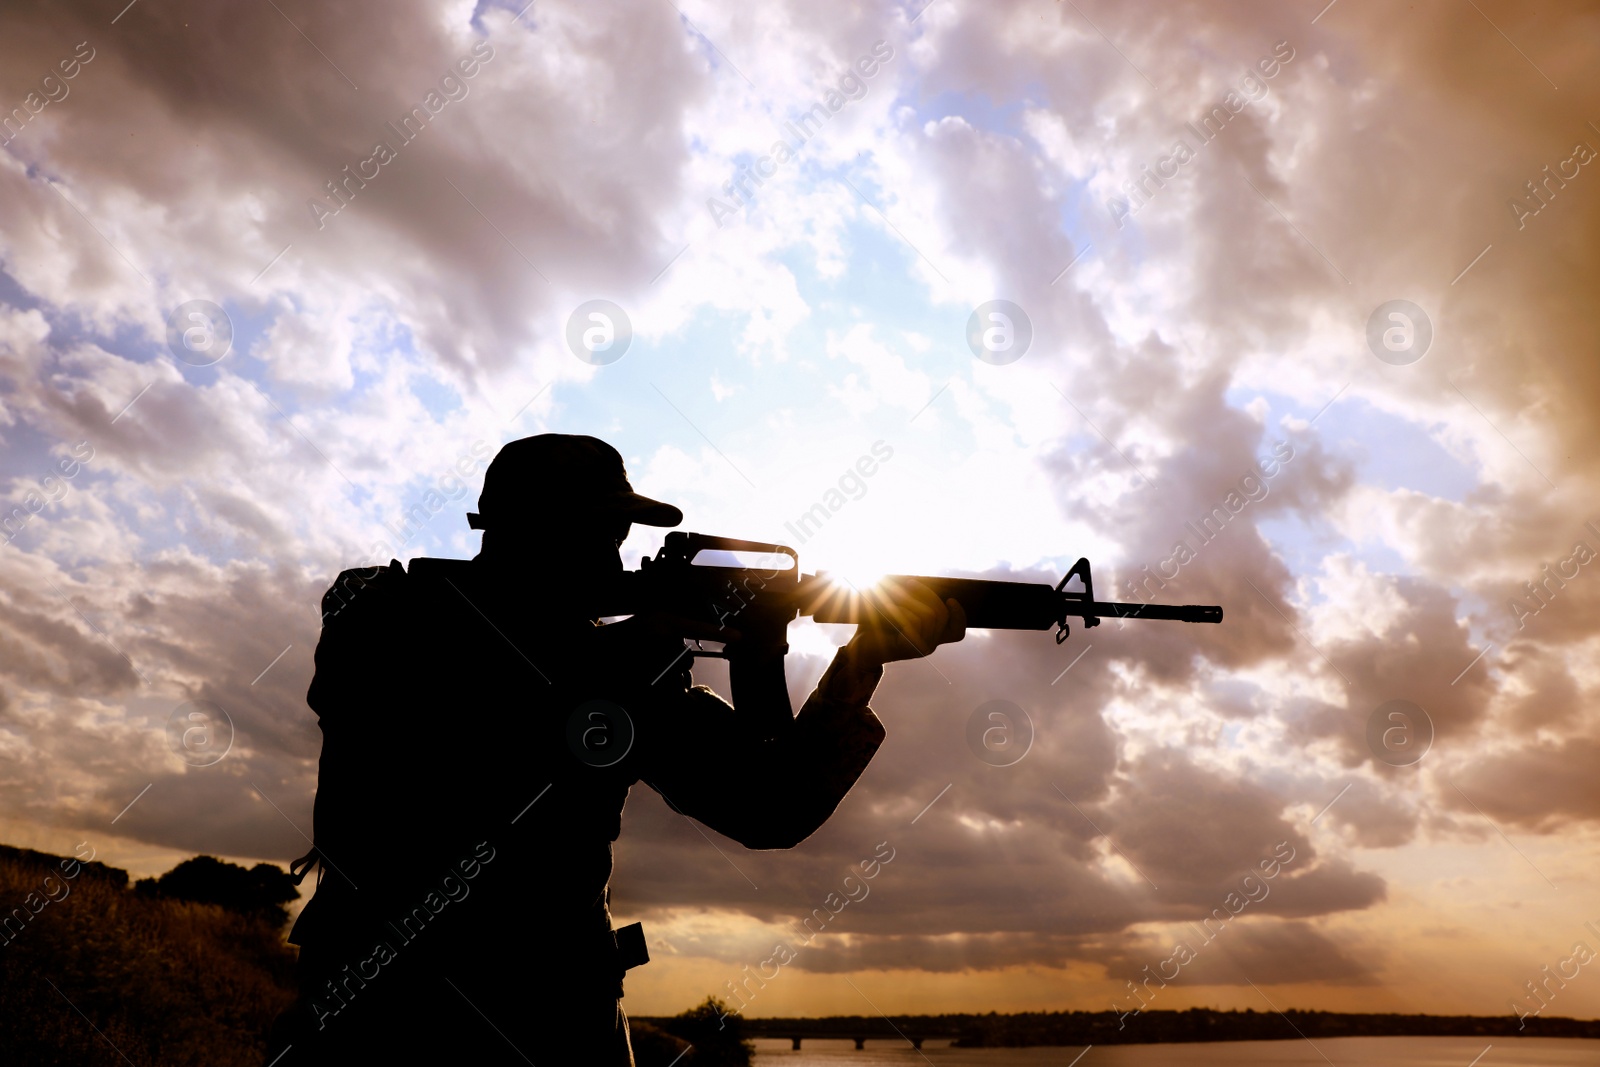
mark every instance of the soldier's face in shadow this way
{"type": "Point", "coordinates": [570, 550]}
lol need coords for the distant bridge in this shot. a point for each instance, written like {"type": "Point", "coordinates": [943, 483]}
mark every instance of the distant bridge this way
{"type": "Point", "coordinates": [859, 1030]}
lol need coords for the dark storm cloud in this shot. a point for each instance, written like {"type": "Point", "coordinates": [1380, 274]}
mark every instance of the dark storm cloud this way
{"type": "Point", "coordinates": [258, 113]}
{"type": "Point", "coordinates": [1540, 786]}
{"type": "Point", "coordinates": [1246, 951]}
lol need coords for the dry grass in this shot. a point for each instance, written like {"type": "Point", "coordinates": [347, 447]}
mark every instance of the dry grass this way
{"type": "Point", "coordinates": [165, 982]}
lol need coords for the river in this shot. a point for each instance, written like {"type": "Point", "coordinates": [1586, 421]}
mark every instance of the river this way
{"type": "Point", "coordinates": [1339, 1051]}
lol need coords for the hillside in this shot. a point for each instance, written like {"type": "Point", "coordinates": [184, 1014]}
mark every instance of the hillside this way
{"type": "Point", "coordinates": [163, 980]}
{"type": "Point", "coordinates": [186, 970]}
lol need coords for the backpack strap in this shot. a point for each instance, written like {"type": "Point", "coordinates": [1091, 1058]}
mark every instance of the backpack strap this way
{"type": "Point", "coordinates": [302, 866]}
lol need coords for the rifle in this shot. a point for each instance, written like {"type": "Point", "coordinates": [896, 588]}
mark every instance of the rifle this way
{"type": "Point", "coordinates": [760, 602]}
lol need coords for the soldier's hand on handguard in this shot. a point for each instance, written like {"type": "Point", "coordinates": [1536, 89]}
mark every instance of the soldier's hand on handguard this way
{"type": "Point", "coordinates": [911, 622]}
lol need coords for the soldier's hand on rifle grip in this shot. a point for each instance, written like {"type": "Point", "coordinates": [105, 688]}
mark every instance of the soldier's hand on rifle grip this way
{"type": "Point", "coordinates": [911, 622]}
{"type": "Point", "coordinates": [662, 624]}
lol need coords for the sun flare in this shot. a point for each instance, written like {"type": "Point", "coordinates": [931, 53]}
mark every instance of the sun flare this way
{"type": "Point", "coordinates": [858, 577]}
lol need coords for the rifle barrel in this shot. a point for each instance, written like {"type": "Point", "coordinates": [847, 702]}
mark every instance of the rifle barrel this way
{"type": "Point", "coordinates": [990, 604]}
{"type": "Point", "coordinates": [1175, 612]}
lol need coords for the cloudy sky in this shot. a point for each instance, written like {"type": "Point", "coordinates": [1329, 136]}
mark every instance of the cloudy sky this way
{"type": "Point", "coordinates": [1200, 216]}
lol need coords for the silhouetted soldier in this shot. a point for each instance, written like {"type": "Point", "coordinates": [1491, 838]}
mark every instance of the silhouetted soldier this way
{"type": "Point", "coordinates": [480, 734]}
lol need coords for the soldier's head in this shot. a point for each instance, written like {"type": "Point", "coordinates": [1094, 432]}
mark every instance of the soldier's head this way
{"type": "Point", "coordinates": [564, 498]}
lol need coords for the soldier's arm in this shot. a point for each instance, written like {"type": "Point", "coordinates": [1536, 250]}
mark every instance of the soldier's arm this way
{"type": "Point", "coordinates": [803, 772]}
{"type": "Point", "coordinates": [763, 792]}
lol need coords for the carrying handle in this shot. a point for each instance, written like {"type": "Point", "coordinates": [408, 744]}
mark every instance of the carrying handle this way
{"type": "Point", "coordinates": [685, 546]}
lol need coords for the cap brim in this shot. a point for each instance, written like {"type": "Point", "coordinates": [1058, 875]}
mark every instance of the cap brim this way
{"type": "Point", "coordinates": [631, 506]}
{"type": "Point", "coordinates": [641, 509]}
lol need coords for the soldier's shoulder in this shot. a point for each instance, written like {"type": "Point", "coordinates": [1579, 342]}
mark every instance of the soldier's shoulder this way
{"type": "Point", "coordinates": [360, 590]}
{"type": "Point", "coordinates": [431, 570]}
{"type": "Point", "coordinates": [423, 581]}
{"type": "Point", "coordinates": [376, 590]}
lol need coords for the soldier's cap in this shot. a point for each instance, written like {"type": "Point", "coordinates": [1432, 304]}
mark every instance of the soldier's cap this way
{"type": "Point", "coordinates": [552, 476]}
